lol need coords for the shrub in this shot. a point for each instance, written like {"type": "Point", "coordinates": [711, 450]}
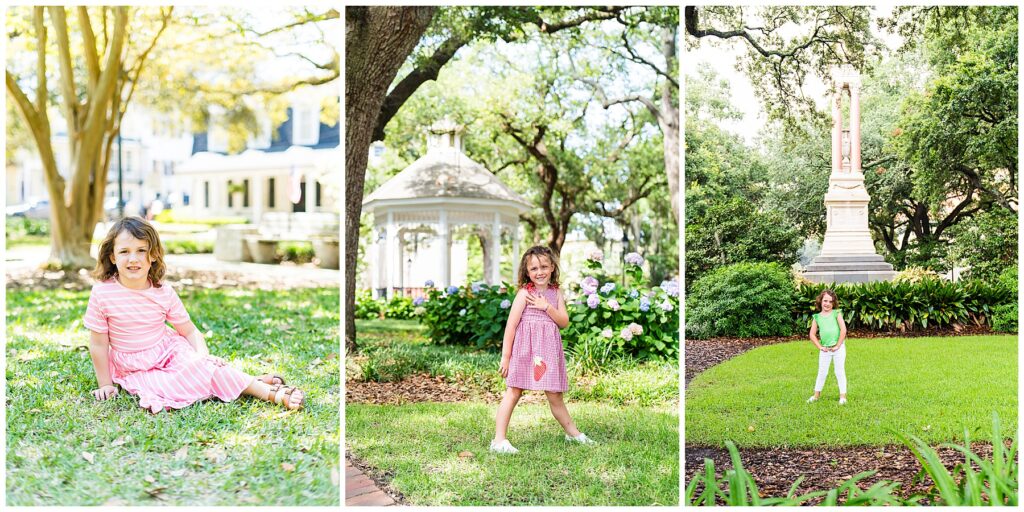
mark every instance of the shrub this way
{"type": "Point", "coordinates": [1004, 316]}
{"type": "Point", "coordinates": [170, 216]}
{"type": "Point", "coordinates": [298, 252]}
{"type": "Point", "coordinates": [366, 306]}
{"type": "Point", "coordinates": [744, 299]}
{"type": "Point", "coordinates": [916, 275]}
{"type": "Point", "coordinates": [621, 318]}
{"type": "Point", "coordinates": [630, 320]}
{"type": "Point", "coordinates": [471, 315]}
{"type": "Point", "coordinates": [905, 305]}
{"type": "Point", "coordinates": [185, 246]}
{"type": "Point", "coordinates": [21, 227]}
{"type": "Point", "coordinates": [399, 308]}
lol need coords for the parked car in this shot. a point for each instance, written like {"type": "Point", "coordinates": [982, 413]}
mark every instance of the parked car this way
{"type": "Point", "coordinates": [32, 210]}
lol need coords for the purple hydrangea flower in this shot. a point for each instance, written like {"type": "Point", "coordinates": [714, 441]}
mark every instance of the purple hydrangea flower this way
{"type": "Point", "coordinates": [671, 287]}
{"type": "Point", "coordinates": [614, 304]}
{"type": "Point", "coordinates": [645, 304]}
{"type": "Point", "coordinates": [634, 258]}
{"type": "Point", "coordinates": [589, 285]}
{"type": "Point", "coordinates": [593, 300]}
{"type": "Point", "coordinates": [505, 304]}
{"type": "Point", "coordinates": [418, 301]}
{"type": "Point", "coordinates": [607, 333]}
{"type": "Point", "coordinates": [607, 288]}
{"type": "Point", "coordinates": [666, 305]}
{"type": "Point", "coordinates": [452, 290]}
{"type": "Point", "coordinates": [633, 294]}
{"type": "Point", "coordinates": [428, 284]}
{"type": "Point", "coordinates": [477, 286]}
{"type": "Point", "coordinates": [626, 334]}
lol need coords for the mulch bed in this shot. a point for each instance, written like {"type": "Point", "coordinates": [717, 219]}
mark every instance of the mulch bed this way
{"type": "Point", "coordinates": [37, 279]}
{"type": "Point", "coordinates": [775, 469]}
{"type": "Point", "coordinates": [424, 388]}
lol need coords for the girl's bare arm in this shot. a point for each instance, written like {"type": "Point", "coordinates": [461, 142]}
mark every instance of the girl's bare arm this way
{"type": "Point", "coordinates": [99, 342]}
{"type": "Point", "coordinates": [842, 331]}
{"type": "Point", "coordinates": [514, 315]}
{"type": "Point", "coordinates": [194, 336]}
{"type": "Point", "coordinates": [559, 314]}
{"type": "Point", "coordinates": [814, 334]}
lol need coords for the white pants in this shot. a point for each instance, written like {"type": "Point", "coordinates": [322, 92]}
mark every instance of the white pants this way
{"type": "Point", "coordinates": [826, 358]}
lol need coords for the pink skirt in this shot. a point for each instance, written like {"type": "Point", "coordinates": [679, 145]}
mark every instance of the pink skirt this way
{"type": "Point", "coordinates": [172, 375]}
{"type": "Point", "coordinates": [538, 360]}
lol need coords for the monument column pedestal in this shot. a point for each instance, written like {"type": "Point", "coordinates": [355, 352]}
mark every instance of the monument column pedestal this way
{"type": "Point", "coordinates": [848, 252]}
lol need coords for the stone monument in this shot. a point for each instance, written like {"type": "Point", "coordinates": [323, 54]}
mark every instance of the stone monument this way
{"type": "Point", "coordinates": [847, 253]}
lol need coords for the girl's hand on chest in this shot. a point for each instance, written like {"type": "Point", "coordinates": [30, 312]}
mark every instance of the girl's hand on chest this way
{"type": "Point", "coordinates": [537, 301]}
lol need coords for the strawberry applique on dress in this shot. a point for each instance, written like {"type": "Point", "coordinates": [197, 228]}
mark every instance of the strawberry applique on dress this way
{"type": "Point", "coordinates": [539, 367]}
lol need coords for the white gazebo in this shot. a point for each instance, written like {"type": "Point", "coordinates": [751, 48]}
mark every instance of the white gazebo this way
{"type": "Point", "coordinates": [441, 190]}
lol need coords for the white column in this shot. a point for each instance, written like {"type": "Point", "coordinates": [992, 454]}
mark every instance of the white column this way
{"type": "Point", "coordinates": [495, 276]}
{"type": "Point", "coordinates": [515, 252]}
{"type": "Point", "coordinates": [375, 253]}
{"type": "Point", "coordinates": [445, 276]}
{"type": "Point", "coordinates": [310, 193]}
{"type": "Point", "coordinates": [393, 256]}
{"type": "Point", "coordinates": [256, 197]}
{"type": "Point", "coordinates": [401, 262]}
{"type": "Point", "coordinates": [837, 132]}
{"type": "Point", "coordinates": [855, 128]}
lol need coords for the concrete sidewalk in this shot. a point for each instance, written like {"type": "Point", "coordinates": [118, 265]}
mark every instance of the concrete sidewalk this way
{"type": "Point", "coordinates": [25, 257]}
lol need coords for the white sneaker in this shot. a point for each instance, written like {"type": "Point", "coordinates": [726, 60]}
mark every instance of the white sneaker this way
{"type": "Point", "coordinates": [503, 447]}
{"type": "Point", "coordinates": [842, 401]}
{"type": "Point", "coordinates": [812, 399]}
{"type": "Point", "coordinates": [581, 439]}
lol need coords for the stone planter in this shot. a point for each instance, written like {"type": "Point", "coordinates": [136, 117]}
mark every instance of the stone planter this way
{"type": "Point", "coordinates": [327, 250]}
{"type": "Point", "coordinates": [262, 250]}
{"type": "Point", "coordinates": [231, 245]}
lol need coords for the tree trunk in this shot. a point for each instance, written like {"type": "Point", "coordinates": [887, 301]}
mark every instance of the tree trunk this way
{"type": "Point", "coordinates": [669, 123]}
{"type": "Point", "coordinates": [377, 42]}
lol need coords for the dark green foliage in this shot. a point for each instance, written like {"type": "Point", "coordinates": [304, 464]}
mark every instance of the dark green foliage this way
{"type": "Point", "coordinates": [186, 246]}
{"type": "Point", "coordinates": [745, 299]}
{"type": "Point", "coordinates": [399, 308]}
{"type": "Point", "coordinates": [1004, 316]}
{"type": "Point", "coordinates": [471, 315]}
{"type": "Point", "coordinates": [20, 227]}
{"type": "Point", "coordinates": [888, 305]}
{"type": "Point", "coordinates": [987, 243]}
{"type": "Point", "coordinates": [298, 252]}
{"type": "Point", "coordinates": [367, 306]}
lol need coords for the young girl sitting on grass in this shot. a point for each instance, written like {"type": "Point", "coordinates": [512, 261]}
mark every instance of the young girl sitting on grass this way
{"type": "Point", "coordinates": [132, 346]}
{"type": "Point", "coordinates": [532, 355]}
{"type": "Point", "coordinates": [832, 347]}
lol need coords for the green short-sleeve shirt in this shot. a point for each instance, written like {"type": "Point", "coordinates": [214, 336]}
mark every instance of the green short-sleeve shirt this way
{"type": "Point", "coordinates": [828, 327]}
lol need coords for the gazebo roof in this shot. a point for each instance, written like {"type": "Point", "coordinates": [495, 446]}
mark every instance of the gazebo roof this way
{"type": "Point", "coordinates": [445, 172]}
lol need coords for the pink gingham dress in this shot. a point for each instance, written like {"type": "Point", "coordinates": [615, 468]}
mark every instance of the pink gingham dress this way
{"type": "Point", "coordinates": [538, 361]}
{"type": "Point", "coordinates": [150, 359]}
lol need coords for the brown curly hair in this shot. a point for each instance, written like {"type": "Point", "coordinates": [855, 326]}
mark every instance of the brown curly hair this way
{"type": "Point", "coordinates": [140, 229]}
{"type": "Point", "coordinates": [538, 251]}
{"type": "Point", "coordinates": [835, 299]}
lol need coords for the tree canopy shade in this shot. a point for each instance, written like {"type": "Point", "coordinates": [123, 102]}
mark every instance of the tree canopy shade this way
{"type": "Point", "coordinates": [91, 63]}
{"type": "Point", "coordinates": [540, 144]}
{"type": "Point", "coordinates": [939, 122]}
{"type": "Point", "coordinates": [825, 36]}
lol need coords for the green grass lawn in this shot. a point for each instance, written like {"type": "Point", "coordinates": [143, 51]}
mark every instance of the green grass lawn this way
{"type": "Point", "coordinates": [248, 452]}
{"type": "Point", "coordinates": [929, 387]}
{"type": "Point", "coordinates": [635, 463]}
{"type": "Point", "coordinates": [630, 409]}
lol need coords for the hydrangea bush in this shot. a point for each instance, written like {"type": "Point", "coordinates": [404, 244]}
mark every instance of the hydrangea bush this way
{"type": "Point", "coordinates": [621, 317]}
{"type": "Point", "coordinates": [471, 315]}
{"type": "Point", "coordinates": [607, 318]}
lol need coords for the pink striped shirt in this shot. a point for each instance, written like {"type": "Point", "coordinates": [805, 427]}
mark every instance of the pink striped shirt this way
{"type": "Point", "coordinates": [134, 319]}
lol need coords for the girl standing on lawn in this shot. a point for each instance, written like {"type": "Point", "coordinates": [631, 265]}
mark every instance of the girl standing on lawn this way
{"type": "Point", "coordinates": [132, 346]}
{"type": "Point", "coordinates": [832, 347]}
{"type": "Point", "coordinates": [531, 355]}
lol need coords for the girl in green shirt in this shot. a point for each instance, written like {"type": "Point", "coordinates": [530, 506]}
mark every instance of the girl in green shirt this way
{"type": "Point", "coordinates": [831, 347]}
